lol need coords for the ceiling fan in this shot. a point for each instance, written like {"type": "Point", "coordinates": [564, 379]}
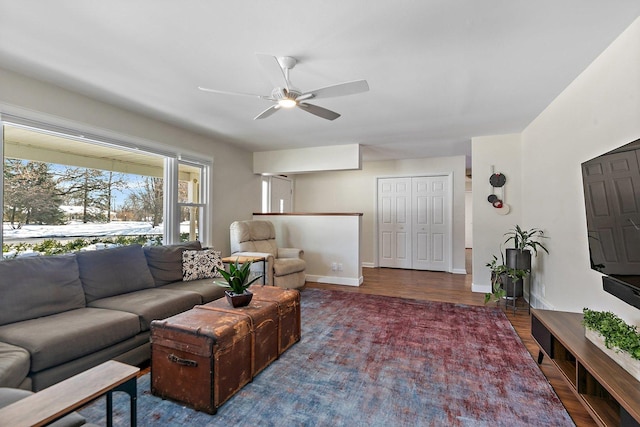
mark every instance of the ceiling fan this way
{"type": "Point", "coordinates": [285, 95]}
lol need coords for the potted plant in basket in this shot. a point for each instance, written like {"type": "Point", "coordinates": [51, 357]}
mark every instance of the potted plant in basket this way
{"type": "Point", "coordinates": [615, 337]}
{"type": "Point", "coordinates": [237, 283]}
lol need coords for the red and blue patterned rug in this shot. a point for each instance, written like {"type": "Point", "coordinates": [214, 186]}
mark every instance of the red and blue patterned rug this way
{"type": "Point", "coordinates": [367, 360]}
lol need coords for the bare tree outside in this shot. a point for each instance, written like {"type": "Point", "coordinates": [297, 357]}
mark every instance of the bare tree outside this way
{"type": "Point", "coordinates": [36, 192]}
{"type": "Point", "coordinates": [92, 189]}
{"type": "Point", "coordinates": [145, 203]}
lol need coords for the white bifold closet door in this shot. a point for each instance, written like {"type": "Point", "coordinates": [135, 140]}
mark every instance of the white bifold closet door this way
{"type": "Point", "coordinates": [414, 223]}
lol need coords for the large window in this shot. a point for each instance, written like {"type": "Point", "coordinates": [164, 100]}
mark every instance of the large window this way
{"type": "Point", "coordinates": [60, 185]}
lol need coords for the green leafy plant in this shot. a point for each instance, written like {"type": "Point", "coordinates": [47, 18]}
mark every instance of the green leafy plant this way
{"type": "Point", "coordinates": [237, 278]}
{"type": "Point", "coordinates": [497, 291]}
{"type": "Point", "coordinates": [498, 272]}
{"type": "Point", "coordinates": [617, 334]}
{"type": "Point", "coordinates": [526, 239]}
{"type": "Point", "coordinates": [55, 247]}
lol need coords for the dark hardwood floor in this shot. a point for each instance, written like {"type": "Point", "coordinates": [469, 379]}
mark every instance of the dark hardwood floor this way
{"type": "Point", "coordinates": [456, 288]}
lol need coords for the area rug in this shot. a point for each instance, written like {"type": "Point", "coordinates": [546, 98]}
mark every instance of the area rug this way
{"type": "Point", "coordinates": [377, 361]}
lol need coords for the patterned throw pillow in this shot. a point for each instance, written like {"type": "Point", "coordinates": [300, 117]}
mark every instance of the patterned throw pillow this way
{"type": "Point", "coordinates": [201, 264]}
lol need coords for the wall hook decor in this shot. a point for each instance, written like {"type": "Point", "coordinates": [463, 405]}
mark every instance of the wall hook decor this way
{"type": "Point", "coordinates": [498, 180]}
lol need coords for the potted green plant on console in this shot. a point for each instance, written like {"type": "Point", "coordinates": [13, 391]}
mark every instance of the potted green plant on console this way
{"type": "Point", "coordinates": [237, 283]}
{"type": "Point", "coordinates": [617, 339]}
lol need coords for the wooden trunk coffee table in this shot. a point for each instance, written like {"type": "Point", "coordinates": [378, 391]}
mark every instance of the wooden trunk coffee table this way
{"type": "Point", "coordinates": [203, 356]}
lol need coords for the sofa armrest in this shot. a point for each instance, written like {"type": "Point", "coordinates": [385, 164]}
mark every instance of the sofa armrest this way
{"type": "Point", "coordinates": [290, 253]}
{"type": "Point", "coordinates": [15, 363]}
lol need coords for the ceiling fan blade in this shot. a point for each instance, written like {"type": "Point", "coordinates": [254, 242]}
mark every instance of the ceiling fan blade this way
{"type": "Point", "coordinates": [266, 113]}
{"type": "Point", "coordinates": [275, 73]}
{"type": "Point", "coordinates": [340, 89]}
{"type": "Point", "coordinates": [319, 111]}
{"type": "Point", "coordinates": [224, 92]}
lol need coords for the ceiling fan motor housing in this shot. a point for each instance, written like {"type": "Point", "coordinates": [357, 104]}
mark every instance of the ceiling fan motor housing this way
{"type": "Point", "coordinates": [282, 93]}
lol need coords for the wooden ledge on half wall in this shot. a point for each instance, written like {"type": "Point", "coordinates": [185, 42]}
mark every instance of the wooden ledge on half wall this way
{"type": "Point", "coordinates": [312, 213]}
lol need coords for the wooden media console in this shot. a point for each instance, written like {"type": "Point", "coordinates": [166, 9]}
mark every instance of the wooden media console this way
{"type": "Point", "coordinates": [608, 392]}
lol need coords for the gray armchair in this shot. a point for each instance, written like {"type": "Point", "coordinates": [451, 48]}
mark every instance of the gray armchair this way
{"type": "Point", "coordinates": [284, 266]}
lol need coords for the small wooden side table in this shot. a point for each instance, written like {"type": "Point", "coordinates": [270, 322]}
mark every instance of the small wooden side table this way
{"type": "Point", "coordinates": [64, 397]}
{"type": "Point", "coordinates": [245, 259]}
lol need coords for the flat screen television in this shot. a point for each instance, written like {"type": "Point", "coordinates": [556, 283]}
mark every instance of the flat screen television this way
{"type": "Point", "coordinates": [611, 184]}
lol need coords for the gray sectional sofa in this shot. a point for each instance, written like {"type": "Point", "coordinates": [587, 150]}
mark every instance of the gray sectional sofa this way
{"type": "Point", "coordinates": [61, 315]}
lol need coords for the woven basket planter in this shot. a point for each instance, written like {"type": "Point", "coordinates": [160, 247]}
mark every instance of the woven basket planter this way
{"type": "Point", "coordinates": [623, 359]}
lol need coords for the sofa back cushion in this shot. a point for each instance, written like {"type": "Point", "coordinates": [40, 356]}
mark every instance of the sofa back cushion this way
{"type": "Point", "coordinates": [108, 272]}
{"type": "Point", "coordinates": [165, 262]}
{"type": "Point", "coordinates": [39, 286]}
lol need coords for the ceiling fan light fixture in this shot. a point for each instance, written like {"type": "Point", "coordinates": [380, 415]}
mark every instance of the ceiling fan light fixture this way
{"type": "Point", "coordinates": [285, 95]}
{"type": "Point", "coordinates": [287, 103]}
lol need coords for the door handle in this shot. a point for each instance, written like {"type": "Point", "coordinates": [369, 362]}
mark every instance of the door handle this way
{"type": "Point", "coordinates": [634, 224]}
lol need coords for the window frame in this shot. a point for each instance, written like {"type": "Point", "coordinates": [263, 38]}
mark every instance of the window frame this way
{"type": "Point", "coordinates": [172, 159]}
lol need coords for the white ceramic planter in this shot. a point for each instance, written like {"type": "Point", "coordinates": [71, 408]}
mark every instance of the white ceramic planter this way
{"type": "Point", "coordinates": [623, 359]}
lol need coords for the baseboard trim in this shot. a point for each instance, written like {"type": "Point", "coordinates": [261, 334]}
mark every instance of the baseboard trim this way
{"type": "Point", "coordinates": [480, 288]}
{"type": "Point", "coordinates": [335, 280]}
{"type": "Point", "coordinates": [368, 265]}
{"type": "Point", "coordinates": [459, 271]}
{"type": "Point", "coordinates": [537, 302]}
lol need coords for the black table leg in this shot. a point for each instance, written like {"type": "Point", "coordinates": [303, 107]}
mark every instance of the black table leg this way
{"type": "Point", "coordinates": [129, 387]}
{"type": "Point", "coordinates": [264, 271]}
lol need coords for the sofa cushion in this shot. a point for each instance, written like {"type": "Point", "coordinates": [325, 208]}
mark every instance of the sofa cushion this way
{"type": "Point", "coordinates": [165, 262]}
{"type": "Point", "coordinates": [116, 271]}
{"type": "Point", "coordinates": [38, 286]}
{"type": "Point", "coordinates": [63, 337]}
{"type": "Point", "coordinates": [151, 304]}
{"type": "Point", "coordinates": [207, 290]}
{"type": "Point", "coordinates": [14, 365]}
{"type": "Point", "coordinates": [201, 264]}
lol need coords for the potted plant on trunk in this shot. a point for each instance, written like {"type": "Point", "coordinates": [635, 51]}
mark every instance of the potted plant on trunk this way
{"type": "Point", "coordinates": [237, 282]}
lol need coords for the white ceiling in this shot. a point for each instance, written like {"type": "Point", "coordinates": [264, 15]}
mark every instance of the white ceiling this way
{"type": "Point", "coordinates": [439, 71]}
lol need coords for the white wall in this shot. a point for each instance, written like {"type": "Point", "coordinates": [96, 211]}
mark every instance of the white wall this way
{"type": "Point", "coordinates": [232, 168]}
{"type": "Point", "coordinates": [503, 153]}
{"type": "Point", "coordinates": [325, 239]}
{"type": "Point", "coordinates": [599, 111]}
{"type": "Point", "coordinates": [468, 219]}
{"type": "Point", "coordinates": [355, 191]}
{"type": "Point", "coordinates": [311, 159]}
